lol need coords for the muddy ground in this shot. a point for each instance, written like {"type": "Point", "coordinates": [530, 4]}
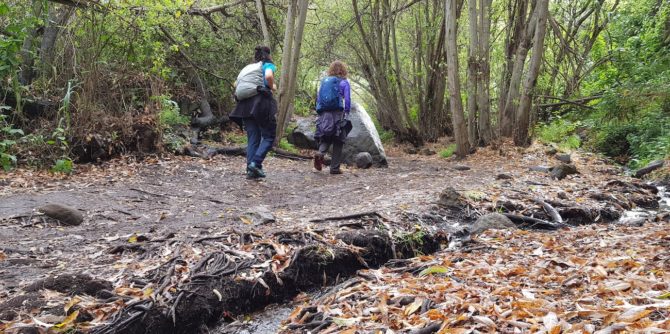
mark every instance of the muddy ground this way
{"type": "Point", "coordinates": [189, 199]}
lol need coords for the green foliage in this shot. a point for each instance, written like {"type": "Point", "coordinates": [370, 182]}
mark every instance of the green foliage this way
{"type": "Point", "coordinates": [7, 132]}
{"type": "Point", "coordinates": [448, 151]}
{"type": "Point", "coordinates": [560, 132]}
{"type": "Point", "coordinates": [285, 145]}
{"type": "Point", "coordinates": [235, 138]}
{"type": "Point", "coordinates": [64, 166]}
{"type": "Point", "coordinates": [169, 115]}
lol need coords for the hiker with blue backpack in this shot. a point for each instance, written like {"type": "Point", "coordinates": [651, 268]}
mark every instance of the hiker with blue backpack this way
{"type": "Point", "coordinates": [333, 105]}
{"type": "Point", "coordinates": [256, 109]}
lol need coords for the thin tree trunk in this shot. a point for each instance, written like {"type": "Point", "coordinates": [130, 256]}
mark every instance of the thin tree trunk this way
{"type": "Point", "coordinates": [260, 8]}
{"type": "Point", "coordinates": [521, 137]}
{"type": "Point", "coordinates": [484, 102]}
{"type": "Point", "coordinates": [57, 19]}
{"type": "Point", "coordinates": [516, 18]}
{"type": "Point", "coordinates": [284, 87]}
{"type": "Point", "coordinates": [460, 128]}
{"type": "Point", "coordinates": [27, 73]}
{"type": "Point", "coordinates": [473, 77]}
{"type": "Point", "coordinates": [290, 60]}
{"type": "Point", "coordinates": [513, 93]}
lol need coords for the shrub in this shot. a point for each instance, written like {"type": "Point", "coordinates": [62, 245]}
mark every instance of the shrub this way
{"type": "Point", "coordinates": [7, 158]}
{"type": "Point", "coordinates": [169, 115]}
{"type": "Point", "coordinates": [448, 151]}
{"type": "Point", "coordinates": [560, 132]}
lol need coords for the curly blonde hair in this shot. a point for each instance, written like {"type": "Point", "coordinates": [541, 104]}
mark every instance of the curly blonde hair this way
{"type": "Point", "coordinates": [337, 69]}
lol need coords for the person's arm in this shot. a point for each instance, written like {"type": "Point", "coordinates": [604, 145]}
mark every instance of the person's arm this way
{"type": "Point", "coordinates": [270, 78]}
{"type": "Point", "coordinates": [346, 92]}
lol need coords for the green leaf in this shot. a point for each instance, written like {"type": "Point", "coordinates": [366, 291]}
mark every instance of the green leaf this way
{"type": "Point", "coordinates": [434, 270]}
{"type": "Point", "coordinates": [664, 296]}
{"type": "Point", "coordinates": [4, 9]}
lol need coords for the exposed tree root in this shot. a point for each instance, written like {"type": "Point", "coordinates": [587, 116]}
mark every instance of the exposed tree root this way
{"type": "Point", "coordinates": [216, 292]}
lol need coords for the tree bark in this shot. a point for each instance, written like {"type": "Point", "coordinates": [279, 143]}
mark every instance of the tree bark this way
{"type": "Point", "coordinates": [295, 24]}
{"type": "Point", "coordinates": [260, 8]}
{"type": "Point", "coordinates": [473, 76]}
{"type": "Point", "coordinates": [460, 128]}
{"type": "Point", "coordinates": [513, 92]}
{"type": "Point", "coordinates": [58, 17]}
{"type": "Point", "coordinates": [521, 137]}
{"type": "Point", "coordinates": [27, 73]}
{"type": "Point", "coordinates": [484, 101]}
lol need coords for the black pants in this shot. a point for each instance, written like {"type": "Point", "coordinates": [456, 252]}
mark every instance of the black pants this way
{"type": "Point", "coordinates": [324, 145]}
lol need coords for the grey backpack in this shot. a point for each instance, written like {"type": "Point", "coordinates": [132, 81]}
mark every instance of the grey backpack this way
{"type": "Point", "coordinates": [248, 80]}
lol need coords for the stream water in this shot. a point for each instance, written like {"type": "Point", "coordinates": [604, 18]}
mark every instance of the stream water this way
{"type": "Point", "coordinates": [268, 321]}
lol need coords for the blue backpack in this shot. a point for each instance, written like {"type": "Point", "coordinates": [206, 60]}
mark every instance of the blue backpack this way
{"type": "Point", "coordinates": [329, 95]}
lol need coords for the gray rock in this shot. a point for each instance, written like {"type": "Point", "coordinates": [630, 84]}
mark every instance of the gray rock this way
{"type": "Point", "coordinates": [303, 134]}
{"type": "Point", "coordinates": [561, 171]}
{"type": "Point", "coordinates": [451, 198]}
{"type": "Point", "coordinates": [363, 138]}
{"type": "Point", "coordinates": [564, 157]}
{"type": "Point", "coordinates": [63, 213]}
{"type": "Point", "coordinates": [260, 215]}
{"type": "Point", "coordinates": [652, 166]}
{"type": "Point", "coordinates": [491, 221]}
{"type": "Point", "coordinates": [363, 160]}
{"type": "Point", "coordinates": [461, 167]}
{"type": "Point", "coordinates": [540, 169]}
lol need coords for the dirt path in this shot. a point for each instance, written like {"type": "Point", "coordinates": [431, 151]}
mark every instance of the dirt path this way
{"type": "Point", "coordinates": [173, 205]}
{"type": "Point", "coordinates": [193, 197]}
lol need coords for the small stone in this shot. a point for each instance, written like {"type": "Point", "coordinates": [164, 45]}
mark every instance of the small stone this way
{"type": "Point", "coordinates": [491, 221]}
{"type": "Point", "coordinates": [540, 169]}
{"type": "Point", "coordinates": [260, 215]}
{"type": "Point", "coordinates": [62, 213]}
{"type": "Point", "coordinates": [461, 167]}
{"type": "Point", "coordinates": [561, 171]}
{"type": "Point", "coordinates": [503, 176]}
{"type": "Point", "coordinates": [564, 158]}
{"type": "Point", "coordinates": [363, 160]}
{"type": "Point", "coordinates": [451, 198]}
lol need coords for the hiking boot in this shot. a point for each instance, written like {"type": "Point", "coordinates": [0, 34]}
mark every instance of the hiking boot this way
{"type": "Point", "coordinates": [255, 170]}
{"type": "Point", "coordinates": [318, 161]}
{"type": "Point", "coordinates": [335, 171]}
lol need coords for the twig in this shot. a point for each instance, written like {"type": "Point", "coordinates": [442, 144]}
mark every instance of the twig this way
{"type": "Point", "coordinates": [530, 220]}
{"type": "Point", "coordinates": [353, 216]}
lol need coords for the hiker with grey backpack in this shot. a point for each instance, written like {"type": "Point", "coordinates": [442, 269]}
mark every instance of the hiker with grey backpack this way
{"type": "Point", "coordinates": [256, 109]}
{"type": "Point", "coordinates": [333, 105]}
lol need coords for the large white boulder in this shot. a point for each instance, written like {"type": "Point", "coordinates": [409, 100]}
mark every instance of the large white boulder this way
{"type": "Point", "coordinates": [363, 138]}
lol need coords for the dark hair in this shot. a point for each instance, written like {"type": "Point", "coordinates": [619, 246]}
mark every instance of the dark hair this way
{"type": "Point", "coordinates": [337, 69]}
{"type": "Point", "coordinates": [262, 53]}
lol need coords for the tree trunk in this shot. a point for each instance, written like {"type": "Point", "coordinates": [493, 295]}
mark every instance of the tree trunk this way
{"type": "Point", "coordinates": [260, 8]}
{"type": "Point", "coordinates": [513, 93]}
{"type": "Point", "coordinates": [516, 17]}
{"type": "Point", "coordinates": [484, 102]}
{"type": "Point", "coordinates": [58, 17]}
{"type": "Point", "coordinates": [295, 24]}
{"type": "Point", "coordinates": [460, 128]}
{"type": "Point", "coordinates": [27, 73]}
{"type": "Point", "coordinates": [473, 76]}
{"type": "Point", "coordinates": [521, 137]}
